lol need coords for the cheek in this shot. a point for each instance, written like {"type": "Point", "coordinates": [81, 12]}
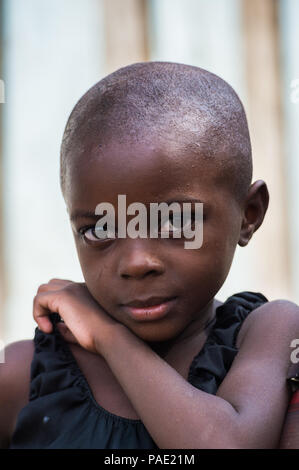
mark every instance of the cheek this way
{"type": "Point", "coordinates": [222, 235]}
{"type": "Point", "coordinates": [223, 255]}
{"type": "Point", "coordinates": [98, 283]}
{"type": "Point", "coordinates": [94, 270]}
{"type": "Point", "coordinates": [207, 270]}
{"type": "Point", "coordinates": [209, 265]}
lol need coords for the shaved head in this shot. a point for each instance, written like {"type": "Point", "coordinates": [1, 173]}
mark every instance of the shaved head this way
{"type": "Point", "coordinates": [182, 105]}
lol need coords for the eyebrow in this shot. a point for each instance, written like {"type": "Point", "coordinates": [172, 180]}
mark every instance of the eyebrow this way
{"type": "Point", "coordinates": [183, 199]}
{"type": "Point", "coordinates": [81, 214]}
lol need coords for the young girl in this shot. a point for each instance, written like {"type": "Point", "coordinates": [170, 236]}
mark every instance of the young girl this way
{"type": "Point", "coordinates": [142, 354]}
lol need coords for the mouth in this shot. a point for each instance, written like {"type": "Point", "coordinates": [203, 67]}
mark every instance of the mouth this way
{"type": "Point", "coordinates": [150, 309]}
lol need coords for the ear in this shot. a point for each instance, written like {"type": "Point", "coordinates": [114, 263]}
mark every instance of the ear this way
{"type": "Point", "coordinates": [255, 208]}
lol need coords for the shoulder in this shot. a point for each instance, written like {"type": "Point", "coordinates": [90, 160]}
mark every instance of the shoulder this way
{"type": "Point", "coordinates": [256, 384]}
{"type": "Point", "coordinates": [271, 330]}
{"type": "Point", "coordinates": [274, 320]}
{"type": "Point", "coordinates": [15, 383]}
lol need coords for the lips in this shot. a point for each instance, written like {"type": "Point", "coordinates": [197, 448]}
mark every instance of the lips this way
{"type": "Point", "coordinates": [147, 302]}
{"type": "Point", "coordinates": [153, 308]}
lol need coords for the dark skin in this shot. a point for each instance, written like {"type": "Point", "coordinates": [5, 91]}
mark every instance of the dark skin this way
{"type": "Point", "coordinates": [118, 271]}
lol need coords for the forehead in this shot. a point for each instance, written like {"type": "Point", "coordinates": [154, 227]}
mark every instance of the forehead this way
{"type": "Point", "coordinates": [145, 172]}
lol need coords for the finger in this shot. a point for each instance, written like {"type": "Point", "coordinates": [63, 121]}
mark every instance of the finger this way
{"type": "Point", "coordinates": [60, 281]}
{"type": "Point", "coordinates": [53, 284]}
{"type": "Point", "coordinates": [42, 307]}
{"type": "Point", "coordinates": [66, 333]}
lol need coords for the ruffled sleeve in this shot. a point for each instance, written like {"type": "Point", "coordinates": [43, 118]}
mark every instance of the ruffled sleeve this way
{"type": "Point", "coordinates": [62, 412]}
{"type": "Point", "coordinates": [211, 365]}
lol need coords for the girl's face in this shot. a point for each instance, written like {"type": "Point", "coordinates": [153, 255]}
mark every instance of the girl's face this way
{"type": "Point", "coordinates": [118, 271]}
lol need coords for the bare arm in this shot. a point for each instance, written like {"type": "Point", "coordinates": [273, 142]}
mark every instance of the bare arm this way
{"type": "Point", "coordinates": [14, 386]}
{"type": "Point", "coordinates": [249, 408]}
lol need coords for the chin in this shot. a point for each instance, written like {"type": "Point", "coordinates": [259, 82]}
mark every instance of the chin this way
{"type": "Point", "coordinates": [154, 333]}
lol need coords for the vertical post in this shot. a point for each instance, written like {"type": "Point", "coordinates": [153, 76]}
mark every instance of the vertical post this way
{"type": "Point", "coordinates": [2, 279]}
{"type": "Point", "coordinates": [261, 34]}
{"type": "Point", "coordinates": [125, 33]}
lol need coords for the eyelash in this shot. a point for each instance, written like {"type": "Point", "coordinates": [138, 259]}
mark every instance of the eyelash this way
{"type": "Point", "coordinates": [83, 230]}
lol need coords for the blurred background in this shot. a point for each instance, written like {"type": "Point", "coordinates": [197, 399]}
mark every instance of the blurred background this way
{"type": "Point", "coordinates": [52, 52]}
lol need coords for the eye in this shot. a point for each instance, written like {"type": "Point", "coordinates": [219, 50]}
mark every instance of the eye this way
{"type": "Point", "coordinates": [171, 223]}
{"type": "Point", "coordinates": [174, 223]}
{"type": "Point", "coordinates": [189, 221]}
{"type": "Point", "coordinates": [90, 234]}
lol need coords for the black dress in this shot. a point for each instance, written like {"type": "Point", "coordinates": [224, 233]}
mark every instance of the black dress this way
{"type": "Point", "coordinates": [62, 412]}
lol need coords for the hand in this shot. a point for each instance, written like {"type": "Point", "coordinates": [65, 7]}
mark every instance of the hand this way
{"type": "Point", "coordinates": [84, 320]}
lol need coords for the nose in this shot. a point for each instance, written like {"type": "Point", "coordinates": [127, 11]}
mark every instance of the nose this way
{"type": "Point", "coordinates": [138, 259]}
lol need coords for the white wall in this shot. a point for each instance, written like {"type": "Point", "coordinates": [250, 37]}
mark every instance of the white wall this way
{"type": "Point", "coordinates": [53, 52]}
{"type": "Point", "coordinates": [289, 24]}
{"type": "Point", "coordinates": [207, 34]}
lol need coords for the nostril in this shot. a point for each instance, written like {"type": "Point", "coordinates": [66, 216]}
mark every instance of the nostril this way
{"type": "Point", "coordinates": [125, 276]}
{"type": "Point", "coordinates": [140, 275]}
{"type": "Point", "coordinates": [153, 271]}
{"type": "Point", "coordinates": [137, 264]}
